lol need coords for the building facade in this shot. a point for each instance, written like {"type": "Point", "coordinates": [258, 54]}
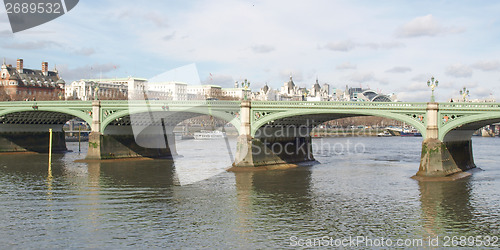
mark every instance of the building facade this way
{"type": "Point", "coordinates": [176, 91]}
{"type": "Point", "coordinates": [106, 89]}
{"type": "Point", "coordinates": [21, 83]}
{"type": "Point", "coordinates": [290, 92]}
{"type": "Point", "coordinates": [204, 92]}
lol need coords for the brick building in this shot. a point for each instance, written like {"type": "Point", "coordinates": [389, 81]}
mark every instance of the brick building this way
{"type": "Point", "coordinates": [19, 83]}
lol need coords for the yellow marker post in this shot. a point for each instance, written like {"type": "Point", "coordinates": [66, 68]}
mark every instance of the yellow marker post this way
{"type": "Point", "coordinates": [50, 149]}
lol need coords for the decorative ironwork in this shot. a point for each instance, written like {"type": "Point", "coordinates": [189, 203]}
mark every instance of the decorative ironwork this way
{"type": "Point", "coordinates": [417, 117]}
{"type": "Point", "coordinates": [447, 117]}
{"type": "Point", "coordinates": [260, 114]}
{"type": "Point", "coordinates": [106, 113]}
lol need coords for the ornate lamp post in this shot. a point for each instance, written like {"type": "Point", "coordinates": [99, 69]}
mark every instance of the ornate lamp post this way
{"type": "Point", "coordinates": [245, 84]}
{"type": "Point", "coordinates": [464, 92]}
{"type": "Point", "coordinates": [433, 84]}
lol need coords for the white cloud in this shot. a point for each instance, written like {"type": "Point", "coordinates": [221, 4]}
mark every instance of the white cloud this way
{"type": "Point", "coordinates": [383, 45]}
{"type": "Point", "coordinates": [459, 70]}
{"type": "Point", "coordinates": [425, 26]}
{"type": "Point", "coordinates": [487, 65]}
{"type": "Point", "coordinates": [343, 46]}
{"type": "Point", "coordinates": [154, 17]}
{"type": "Point", "coordinates": [32, 45]}
{"type": "Point", "coordinates": [4, 19]}
{"type": "Point", "coordinates": [262, 48]}
{"type": "Point", "coordinates": [225, 81]}
{"type": "Point", "coordinates": [95, 70]}
{"type": "Point", "coordinates": [417, 86]}
{"type": "Point", "coordinates": [6, 33]}
{"type": "Point", "coordinates": [265, 41]}
{"type": "Point", "coordinates": [169, 36]}
{"type": "Point", "coordinates": [421, 78]}
{"type": "Point", "coordinates": [362, 77]}
{"type": "Point", "coordinates": [398, 69]}
{"type": "Point", "coordinates": [414, 96]}
{"type": "Point", "coordinates": [346, 65]}
{"type": "Point", "coordinates": [447, 84]}
{"type": "Point", "coordinates": [481, 92]}
{"type": "Point", "coordinates": [85, 51]}
{"type": "Point", "coordinates": [348, 45]}
{"type": "Point", "coordinates": [285, 74]}
{"type": "Point", "coordinates": [472, 84]}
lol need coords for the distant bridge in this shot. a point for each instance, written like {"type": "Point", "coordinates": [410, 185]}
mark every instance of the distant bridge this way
{"type": "Point", "coordinates": [145, 128]}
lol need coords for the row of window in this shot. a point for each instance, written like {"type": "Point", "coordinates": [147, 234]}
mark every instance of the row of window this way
{"type": "Point", "coordinates": [29, 92]}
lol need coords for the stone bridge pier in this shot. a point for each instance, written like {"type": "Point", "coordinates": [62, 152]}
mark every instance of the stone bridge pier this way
{"type": "Point", "coordinates": [31, 138]}
{"type": "Point", "coordinates": [153, 140]}
{"type": "Point", "coordinates": [445, 154]}
{"type": "Point", "coordinates": [448, 157]}
{"type": "Point", "coordinates": [271, 133]}
{"type": "Point", "coordinates": [271, 146]}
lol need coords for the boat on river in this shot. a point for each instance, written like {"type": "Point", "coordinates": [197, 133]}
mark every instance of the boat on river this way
{"type": "Point", "coordinates": [384, 134]}
{"type": "Point", "coordinates": [209, 135]}
{"type": "Point", "coordinates": [412, 132]}
{"type": "Point", "coordinates": [394, 131]}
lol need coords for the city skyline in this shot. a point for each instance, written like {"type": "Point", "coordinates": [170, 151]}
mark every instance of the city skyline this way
{"type": "Point", "coordinates": [394, 46]}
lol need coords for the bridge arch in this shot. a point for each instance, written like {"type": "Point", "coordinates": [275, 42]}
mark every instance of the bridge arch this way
{"type": "Point", "coordinates": [325, 115]}
{"type": "Point", "coordinates": [189, 113]}
{"type": "Point", "coordinates": [70, 112]}
{"type": "Point", "coordinates": [24, 126]}
{"type": "Point", "coordinates": [467, 125]}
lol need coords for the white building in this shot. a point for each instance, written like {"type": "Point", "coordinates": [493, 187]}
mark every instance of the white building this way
{"type": "Point", "coordinates": [176, 91]}
{"type": "Point", "coordinates": [203, 92]}
{"type": "Point", "coordinates": [290, 92]}
{"type": "Point", "coordinates": [319, 93]}
{"type": "Point", "coordinates": [117, 88]}
{"type": "Point", "coordinates": [266, 94]}
{"type": "Point", "coordinates": [235, 93]}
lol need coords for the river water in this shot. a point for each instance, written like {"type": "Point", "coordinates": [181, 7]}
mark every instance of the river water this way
{"type": "Point", "coordinates": [361, 188]}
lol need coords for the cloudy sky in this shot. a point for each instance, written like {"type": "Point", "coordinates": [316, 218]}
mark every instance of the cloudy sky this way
{"type": "Point", "coordinates": [391, 46]}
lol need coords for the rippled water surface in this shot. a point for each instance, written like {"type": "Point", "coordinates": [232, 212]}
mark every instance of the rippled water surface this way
{"type": "Point", "coordinates": [361, 187]}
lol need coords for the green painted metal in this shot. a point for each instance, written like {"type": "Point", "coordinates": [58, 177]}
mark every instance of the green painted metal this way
{"type": "Point", "coordinates": [450, 115]}
{"type": "Point", "coordinates": [110, 110]}
{"type": "Point", "coordinates": [454, 115]}
{"type": "Point", "coordinates": [80, 109]}
{"type": "Point", "coordinates": [411, 113]}
{"type": "Point", "coordinates": [225, 110]}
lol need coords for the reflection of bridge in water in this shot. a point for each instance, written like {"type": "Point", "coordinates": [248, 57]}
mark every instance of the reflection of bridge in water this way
{"type": "Point", "coordinates": [270, 133]}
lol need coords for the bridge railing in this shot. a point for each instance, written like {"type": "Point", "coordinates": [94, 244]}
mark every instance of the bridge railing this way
{"type": "Point", "coordinates": [121, 103]}
{"type": "Point", "coordinates": [71, 103]}
{"type": "Point", "coordinates": [191, 103]}
{"type": "Point", "coordinates": [371, 105]}
{"type": "Point", "coordinates": [264, 104]}
{"type": "Point", "coordinates": [469, 106]}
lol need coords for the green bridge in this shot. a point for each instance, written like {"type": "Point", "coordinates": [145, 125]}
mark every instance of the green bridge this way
{"type": "Point", "coordinates": [271, 133]}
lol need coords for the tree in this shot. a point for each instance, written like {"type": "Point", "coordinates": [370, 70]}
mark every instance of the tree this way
{"type": "Point", "coordinates": [3, 95]}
